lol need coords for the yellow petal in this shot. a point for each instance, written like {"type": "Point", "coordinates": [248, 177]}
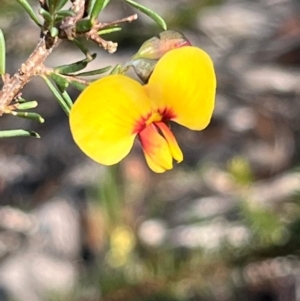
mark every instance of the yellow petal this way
{"type": "Point", "coordinates": [104, 116]}
{"type": "Point", "coordinates": [156, 149]}
{"type": "Point", "coordinates": [184, 83]}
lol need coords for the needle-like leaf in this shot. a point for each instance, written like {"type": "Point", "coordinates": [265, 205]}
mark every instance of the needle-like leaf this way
{"type": "Point", "coordinates": [46, 15]}
{"type": "Point", "coordinates": [71, 68]}
{"type": "Point", "coordinates": [57, 95]}
{"type": "Point", "coordinates": [94, 72]}
{"type": "Point", "coordinates": [18, 133]}
{"type": "Point", "coordinates": [109, 30]}
{"type": "Point", "coordinates": [28, 115]}
{"type": "Point", "coordinates": [150, 13]}
{"type": "Point", "coordinates": [99, 5]}
{"type": "Point", "coordinates": [27, 105]}
{"type": "Point", "coordinates": [30, 11]}
{"type": "Point", "coordinates": [2, 53]}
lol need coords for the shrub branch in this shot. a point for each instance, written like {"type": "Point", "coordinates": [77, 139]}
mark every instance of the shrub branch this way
{"type": "Point", "coordinates": [34, 65]}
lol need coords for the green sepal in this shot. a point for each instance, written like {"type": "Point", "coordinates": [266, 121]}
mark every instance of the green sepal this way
{"type": "Point", "coordinates": [29, 115]}
{"type": "Point", "coordinates": [153, 49]}
{"type": "Point", "coordinates": [46, 15]}
{"type": "Point", "coordinates": [143, 68]}
{"type": "Point", "coordinates": [109, 30]}
{"type": "Point", "coordinates": [156, 47]}
{"type": "Point", "coordinates": [98, 6]}
{"type": "Point", "coordinates": [95, 72]}
{"type": "Point", "coordinates": [83, 26]}
{"type": "Point", "coordinates": [2, 53]}
{"type": "Point", "coordinates": [27, 105]}
{"type": "Point", "coordinates": [18, 133]}
{"type": "Point", "coordinates": [30, 11]}
{"type": "Point", "coordinates": [61, 101]}
{"type": "Point", "coordinates": [150, 13]}
{"type": "Point", "coordinates": [75, 67]}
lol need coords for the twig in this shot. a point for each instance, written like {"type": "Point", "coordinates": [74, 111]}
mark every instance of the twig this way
{"type": "Point", "coordinates": [32, 67]}
{"type": "Point", "coordinates": [68, 23]}
{"type": "Point", "coordinates": [117, 22]}
{"type": "Point", "coordinates": [110, 46]}
{"type": "Point", "coordinates": [35, 63]}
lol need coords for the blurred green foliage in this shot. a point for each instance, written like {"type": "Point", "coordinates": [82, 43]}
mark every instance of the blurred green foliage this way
{"type": "Point", "coordinates": [129, 269]}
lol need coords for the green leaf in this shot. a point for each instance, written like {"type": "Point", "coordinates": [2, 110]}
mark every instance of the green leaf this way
{"type": "Point", "coordinates": [47, 17]}
{"type": "Point", "coordinates": [83, 26]}
{"type": "Point", "coordinates": [48, 4]}
{"type": "Point", "coordinates": [57, 95]}
{"type": "Point", "coordinates": [20, 99]}
{"type": "Point", "coordinates": [82, 48]}
{"type": "Point", "coordinates": [78, 86]}
{"type": "Point", "coordinates": [109, 30]}
{"type": "Point", "coordinates": [94, 72]}
{"type": "Point", "coordinates": [99, 5]}
{"type": "Point", "coordinates": [116, 69]}
{"type": "Point", "coordinates": [158, 19]}
{"type": "Point", "coordinates": [28, 115]}
{"type": "Point", "coordinates": [71, 68]}
{"type": "Point", "coordinates": [2, 53]}
{"type": "Point", "coordinates": [60, 4]}
{"type": "Point", "coordinates": [55, 5]}
{"type": "Point", "coordinates": [51, 6]}
{"type": "Point", "coordinates": [30, 11]}
{"type": "Point", "coordinates": [62, 85]}
{"type": "Point", "coordinates": [18, 133]}
{"type": "Point", "coordinates": [27, 105]}
{"type": "Point", "coordinates": [90, 6]}
{"type": "Point", "coordinates": [60, 81]}
{"type": "Point", "coordinates": [67, 98]}
{"type": "Point", "coordinates": [63, 14]}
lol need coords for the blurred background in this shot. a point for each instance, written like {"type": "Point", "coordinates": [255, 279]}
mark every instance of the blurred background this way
{"type": "Point", "coordinates": [224, 225]}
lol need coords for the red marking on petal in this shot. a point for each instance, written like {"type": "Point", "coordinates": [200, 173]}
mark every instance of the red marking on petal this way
{"type": "Point", "coordinates": [167, 114]}
{"type": "Point", "coordinates": [141, 124]}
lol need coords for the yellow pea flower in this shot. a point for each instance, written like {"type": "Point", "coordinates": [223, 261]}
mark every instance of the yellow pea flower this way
{"type": "Point", "coordinates": [112, 111]}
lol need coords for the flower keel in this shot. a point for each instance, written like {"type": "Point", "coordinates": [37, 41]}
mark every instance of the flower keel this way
{"type": "Point", "coordinates": [159, 148]}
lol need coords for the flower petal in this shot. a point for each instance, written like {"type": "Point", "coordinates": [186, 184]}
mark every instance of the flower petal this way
{"type": "Point", "coordinates": [173, 145]}
{"type": "Point", "coordinates": [184, 83]}
{"type": "Point", "coordinates": [103, 118]}
{"type": "Point", "coordinates": [156, 149]}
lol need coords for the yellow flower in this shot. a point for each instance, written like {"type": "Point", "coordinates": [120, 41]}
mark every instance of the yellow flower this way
{"type": "Point", "coordinates": [112, 111]}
